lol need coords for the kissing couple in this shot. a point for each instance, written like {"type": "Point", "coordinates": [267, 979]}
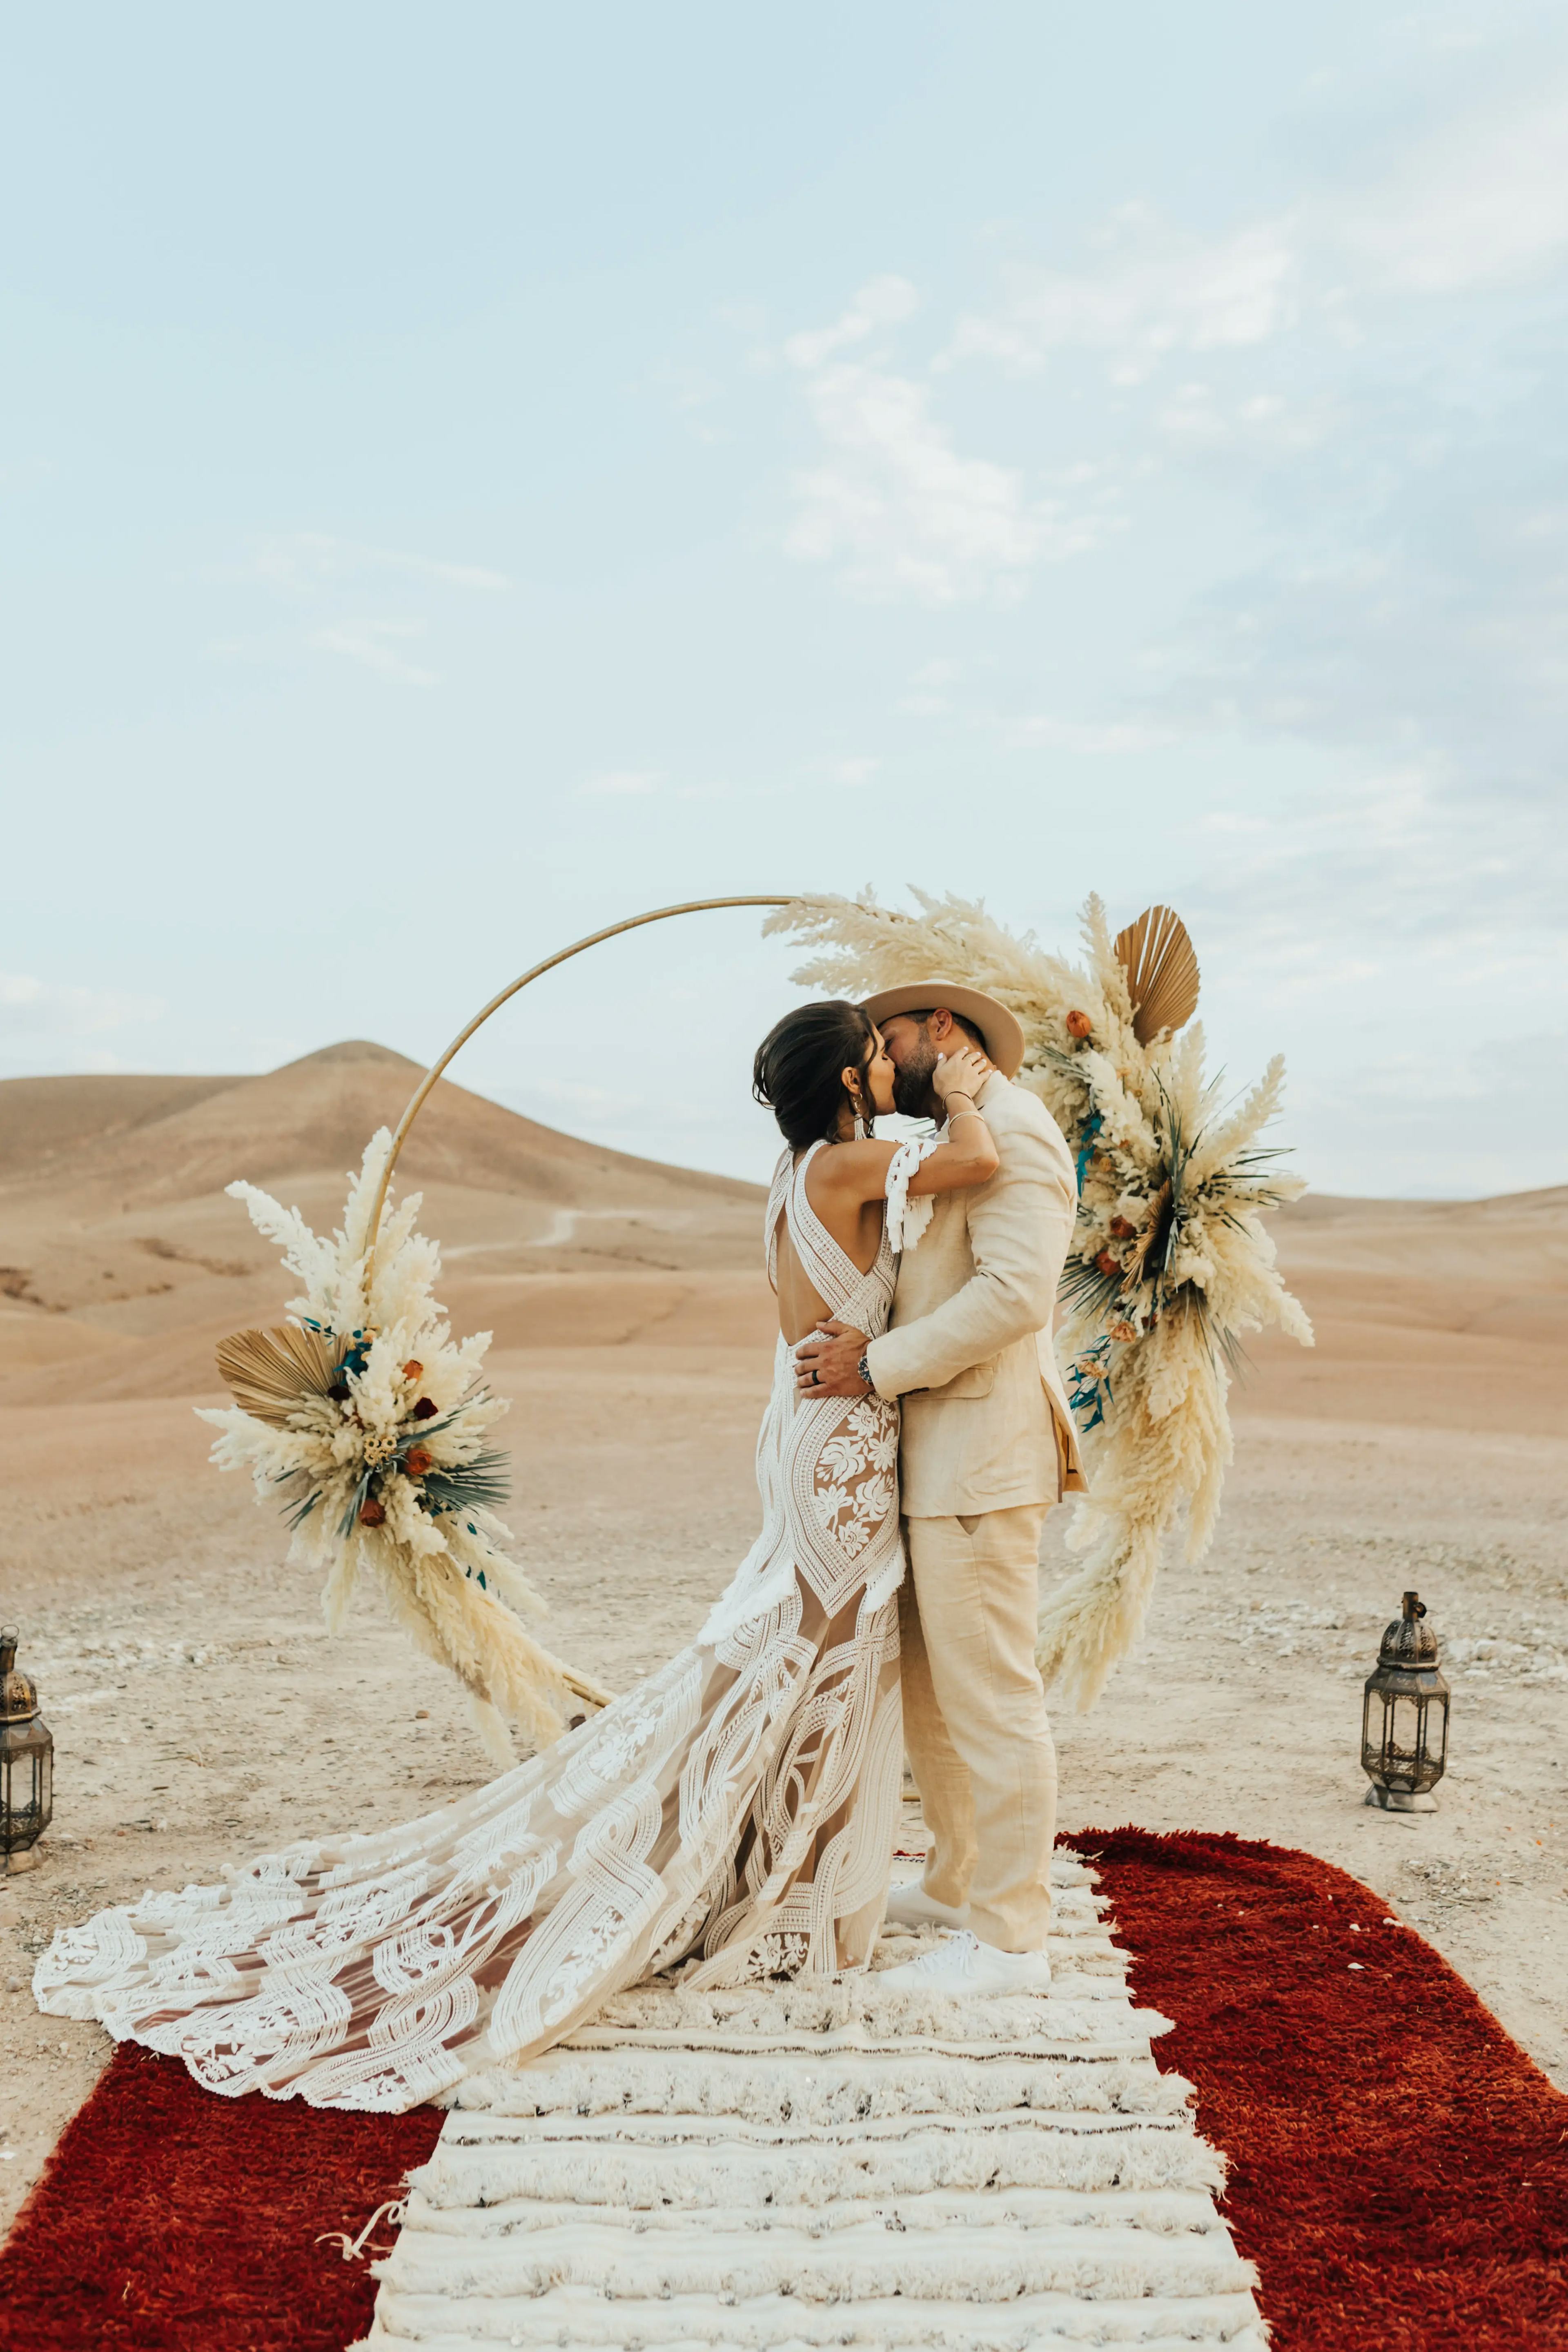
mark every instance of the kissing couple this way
{"type": "Point", "coordinates": [733, 1816]}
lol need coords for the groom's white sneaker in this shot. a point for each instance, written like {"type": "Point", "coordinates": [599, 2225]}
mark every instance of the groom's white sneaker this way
{"type": "Point", "coordinates": [963, 1967]}
{"type": "Point", "coordinates": [911, 1906]}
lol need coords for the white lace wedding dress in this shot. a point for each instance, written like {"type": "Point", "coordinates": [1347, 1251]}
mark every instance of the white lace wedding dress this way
{"type": "Point", "coordinates": [736, 1810]}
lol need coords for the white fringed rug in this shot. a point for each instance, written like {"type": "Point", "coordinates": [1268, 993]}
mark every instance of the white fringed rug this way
{"type": "Point", "coordinates": [786, 2167]}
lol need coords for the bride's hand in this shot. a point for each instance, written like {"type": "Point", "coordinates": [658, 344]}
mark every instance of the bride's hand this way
{"type": "Point", "coordinates": [959, 1074]}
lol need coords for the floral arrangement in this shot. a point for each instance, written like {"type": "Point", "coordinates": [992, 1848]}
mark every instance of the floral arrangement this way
{"type": "Point", "coordinates": [1170, 1264]}
{"type": "Point", "coordinates": [370, 1426]}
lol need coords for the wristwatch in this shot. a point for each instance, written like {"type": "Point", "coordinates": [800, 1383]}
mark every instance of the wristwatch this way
{"type": "Point", "coordinates": [863, 1369]}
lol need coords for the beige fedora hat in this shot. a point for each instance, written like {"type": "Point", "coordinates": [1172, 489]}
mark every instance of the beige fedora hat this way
{"type": "Point", "coordinates": [1001, 1030]}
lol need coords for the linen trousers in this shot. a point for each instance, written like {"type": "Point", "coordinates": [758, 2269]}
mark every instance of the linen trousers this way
{"type": "Point", "coordinates": [975, 1726]}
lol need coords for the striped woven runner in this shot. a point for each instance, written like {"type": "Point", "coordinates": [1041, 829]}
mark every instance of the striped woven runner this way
{"type": "Point", "coordinates": [791, 2167]}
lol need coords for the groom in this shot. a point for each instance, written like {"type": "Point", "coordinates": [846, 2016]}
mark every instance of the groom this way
{"type": "Point", "coordinates": [987, 1446]}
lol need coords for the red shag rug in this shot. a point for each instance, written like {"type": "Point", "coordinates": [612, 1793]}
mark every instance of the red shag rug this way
{"type": "Point", "coordinates": [1398, 2167]}
{"type": "Point", "coordinates": [174, 2221]}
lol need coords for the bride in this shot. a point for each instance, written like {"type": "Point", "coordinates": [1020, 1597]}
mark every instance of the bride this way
{"type": "Point", "coordinates": [736, 1809]}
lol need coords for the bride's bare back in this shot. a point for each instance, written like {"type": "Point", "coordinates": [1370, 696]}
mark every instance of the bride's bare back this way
{"type": "Point", "coordinates": [801, 1307]}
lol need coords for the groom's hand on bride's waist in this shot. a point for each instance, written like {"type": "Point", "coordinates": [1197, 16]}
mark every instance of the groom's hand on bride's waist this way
{"type": "Point", "coordinates": [828, 1362]}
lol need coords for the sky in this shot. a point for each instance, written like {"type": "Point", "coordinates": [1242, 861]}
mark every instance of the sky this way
{"type": "Point", "coordinates": [469, 474]}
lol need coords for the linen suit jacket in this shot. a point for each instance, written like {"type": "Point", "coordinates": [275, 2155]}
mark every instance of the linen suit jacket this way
{"type": "Point", "coordinates": [986, 1425]}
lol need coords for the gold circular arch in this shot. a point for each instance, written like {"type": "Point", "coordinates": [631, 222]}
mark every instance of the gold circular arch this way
{"type": "Point", "coordinates": [535, 971]}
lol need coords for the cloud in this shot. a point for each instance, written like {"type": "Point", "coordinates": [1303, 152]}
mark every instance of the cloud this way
{"type": "Point", "coordinates": [882, 302]}
{"type": "Point", "coordinates": [1396, 879]}
{"type": "Point", "coordinates": [373, 645]}
{"type": "Point", "coordinates": [1110, 741]}
{"type": "Point", "coordinates": [690, 392]}
{"type": "Point", "coordinates": [1481, 202]}
{"type": "Point", "coordinates": [924, 706]}
{"type": "Point", "coordinates": [1433, 628]}
{"type": "Point", "coordinates": [317, 575]}
{"type": "Point", "coordinates": [1421, 1124]}
{"type": "Point", "coordinates": [1195, 420]}
{"type": "Point", "coordinates": [620, 782]}
{"type": "Point", "coordinates": [32, 1008]}
{"type": "Point", "coordinates": [1408, 941]}
{"type": "Point", "coordinates": [1362, 389]}
{"type": "Point", "coordinates": [894, 506]}
{"type": "Point", "coordinates": [1153, 290]}
{"type": "Point", "coordinates": [897, 508]}
{"type": "Point", "coordinates": [304, 562]}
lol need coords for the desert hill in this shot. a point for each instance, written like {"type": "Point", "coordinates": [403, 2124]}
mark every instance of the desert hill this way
{"type": "Point", "coordinates": [43, 1119]}
{"type": "Point", "coordinates": [122, 1259]}
{"type": "Point", "coordinates": [1429, 1314]}
{"type": "Point", "coordinates": [123, 1262]}
{"type": "Point", "coordinates": [137, 1142]}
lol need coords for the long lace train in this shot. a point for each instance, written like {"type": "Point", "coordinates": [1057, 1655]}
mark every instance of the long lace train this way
{"type": "Point", "coordinates": [735, 1812]}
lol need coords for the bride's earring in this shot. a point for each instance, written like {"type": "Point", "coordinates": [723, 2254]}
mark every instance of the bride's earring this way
{"type": "Point", "coordinates": [862, 1133]}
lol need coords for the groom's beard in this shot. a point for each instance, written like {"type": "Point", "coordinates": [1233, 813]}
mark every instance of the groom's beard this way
{"type": "Point", "coordinates": [913, 1095]}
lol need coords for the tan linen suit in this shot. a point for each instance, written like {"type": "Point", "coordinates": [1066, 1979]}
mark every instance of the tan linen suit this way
{"type": "Point", "coordinates": [987, 1446]}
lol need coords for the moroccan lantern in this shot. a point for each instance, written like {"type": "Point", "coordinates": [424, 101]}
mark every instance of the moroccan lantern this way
{"type": "Point", "coordinates": [1404, 1716]}
{"type": "Point", "coordinates": [26, 1756]}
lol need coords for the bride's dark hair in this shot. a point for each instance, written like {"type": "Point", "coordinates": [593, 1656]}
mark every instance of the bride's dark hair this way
{"type": "Point", "coordinates": [797, 1066]}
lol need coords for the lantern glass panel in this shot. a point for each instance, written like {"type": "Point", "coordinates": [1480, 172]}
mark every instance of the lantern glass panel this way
{"type": "Point", "coordinates": [1405, 1731]}
{"type": "Point", "coordinates": [1381, 1729]}
{"type": "Point", "coordinates": [27, 1784]}
{"type": "Point", "coordinates": [1437, 1733]}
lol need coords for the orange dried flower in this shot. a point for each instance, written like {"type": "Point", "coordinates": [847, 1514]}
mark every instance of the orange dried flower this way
{"type": "Point", "coordinates": [1124, 1332]}
{"type": "Point", "coordinates": [1079, 1024]}
{"type": "Point", "coordinates": [412, 1369]}
{"type": "Point", "coordinates": [1108, 1264]}
{"type": "Point", "coordinates": [1121, 1228]}
{"type": "Point", "coordinates": [372, 1513]}
{"type": "Point", "coordinates": [417, 1460]}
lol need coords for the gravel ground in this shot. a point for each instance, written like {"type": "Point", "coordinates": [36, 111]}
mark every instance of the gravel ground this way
{"type": "Point", "coordinates": [201, 1714]}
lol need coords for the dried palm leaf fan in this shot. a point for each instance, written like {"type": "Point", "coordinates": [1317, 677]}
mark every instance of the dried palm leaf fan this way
{"type": "Point", "coordinates": [267, 1372]}
{"type": "Point", "coordinates": [1147, 1254]}
{"type": "Point", "coordinates": [1161, 973]}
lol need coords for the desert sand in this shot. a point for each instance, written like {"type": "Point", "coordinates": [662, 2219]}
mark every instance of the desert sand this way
{"type": "Point", "coordinates": [201, 1713]}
